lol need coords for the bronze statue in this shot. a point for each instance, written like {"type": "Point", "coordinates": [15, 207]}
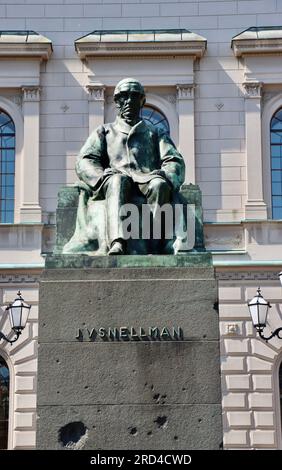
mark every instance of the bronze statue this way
{"type": "Point", "coordinates": [125, 157]}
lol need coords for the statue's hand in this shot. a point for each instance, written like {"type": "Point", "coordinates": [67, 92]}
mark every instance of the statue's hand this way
{"type": "Point", "coordinates": [159, 173]}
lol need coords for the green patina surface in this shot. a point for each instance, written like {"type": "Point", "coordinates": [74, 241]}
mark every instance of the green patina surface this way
{"type": "Point", "coordinates": [68, 198]}
{"type": "Point", "coordinates": [129, 261]}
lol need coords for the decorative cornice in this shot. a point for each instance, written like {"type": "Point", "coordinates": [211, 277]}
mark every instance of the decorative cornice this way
{"type": "Point", "coordinates": [34, 51]}
{"type": "Point", "coordinates": [185, 91]}
{"type": "Point", "coordinates": [24, 44]}
{"type": "Point", "coordinates": [96, 92]}
{"type": "Point", "coordinates": [242, 48]}
{"type": "Point", "coordinates": [193, 49]}
{"type": "Point", "coordinates": [246, 275]}
{"type": "Point", "coordinates": [146, 43]}
{"type": "Point", "coordinates": [31, 93]}
{"type": "Point", "coordinates": [252, 89]}
{"type": "Point", "coordinates": [220, 275]}
{"type": "Point", "coordinates": [18, 279]}
{"type": "Point", "coordinates": [141, 57]}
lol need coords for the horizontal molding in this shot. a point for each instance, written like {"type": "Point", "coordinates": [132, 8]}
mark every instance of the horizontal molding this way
{"type": "Point", "coordinates": [246, 263]}
{"type": "Point", "coordinates": [254, 275]}
{"type": "Point", "coordinates": [19, 279]}
{"type": "Point", "coordinates": [40, 51]}
{"type": "Point", "coordinates": [242, 47]}
{"type": "Point", "coordinates": [193, 49]}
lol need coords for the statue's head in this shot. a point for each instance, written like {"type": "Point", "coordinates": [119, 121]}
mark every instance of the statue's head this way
{"type": "Point", "coordinates": [129, 96]}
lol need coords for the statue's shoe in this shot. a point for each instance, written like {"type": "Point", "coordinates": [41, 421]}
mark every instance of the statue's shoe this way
{"type": "Point", "coordinates": [116, 249]}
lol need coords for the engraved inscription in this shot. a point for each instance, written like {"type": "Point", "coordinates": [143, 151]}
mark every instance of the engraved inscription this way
{"type": "Point", "coordinates": [124, 333]}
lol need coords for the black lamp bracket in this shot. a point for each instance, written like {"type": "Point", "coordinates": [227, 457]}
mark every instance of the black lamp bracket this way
{"type": "Point", "coordinates": [273, 333]}
{"type": "Point", "coordinates": [11, 341]}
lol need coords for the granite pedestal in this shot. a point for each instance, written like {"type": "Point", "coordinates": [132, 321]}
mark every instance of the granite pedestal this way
{"type": "Point", "coordinates": [129, 353]}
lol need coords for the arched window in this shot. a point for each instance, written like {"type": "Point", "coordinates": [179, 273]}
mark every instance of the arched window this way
{"type": "Point", "coordinates": [276, 164]}
{"type": "Point", "coordinates": [7, 168]}
{"type": "Point", "coordinates": [4, 403]}
{"type": "Point", "coordinates": [155, 117]}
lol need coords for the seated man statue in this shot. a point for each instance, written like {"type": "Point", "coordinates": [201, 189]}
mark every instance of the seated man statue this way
{"type": "Point", "coordinates": [129, 156]}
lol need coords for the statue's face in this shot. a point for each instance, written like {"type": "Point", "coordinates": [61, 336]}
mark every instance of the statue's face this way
{"type": "Point", "coordinates": [129, 103]}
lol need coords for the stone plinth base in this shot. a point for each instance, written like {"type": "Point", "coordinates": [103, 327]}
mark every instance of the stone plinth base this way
{"type": "Point", "coordinates": [129, 356]}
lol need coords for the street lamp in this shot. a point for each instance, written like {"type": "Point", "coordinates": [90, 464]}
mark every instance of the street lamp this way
{"type": "Point", "coordinates": [18, 315]}
{"type": "Point", "coordinates": [258, 308]}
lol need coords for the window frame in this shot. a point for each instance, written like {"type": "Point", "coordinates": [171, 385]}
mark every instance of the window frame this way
{"type": "Point", "coordinates": [14, 112]}
{"type": "Point", "coordinates": [155, 110]}
{"type": "Point", "coordinates": [270, 108]}
{"type": "Point", "coordinates": [271, 163]}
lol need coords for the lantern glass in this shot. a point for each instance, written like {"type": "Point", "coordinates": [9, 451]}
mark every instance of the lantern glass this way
{"type": "Point", "coordinates": [258, 308]}
{"type": "Point", "coordinates": [18, 314]}
{"type": "Point", "coordinates": [15, 311]}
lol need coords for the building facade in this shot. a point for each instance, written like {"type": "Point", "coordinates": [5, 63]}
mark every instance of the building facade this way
{"type": "Point", "coordinates": [212, 72]}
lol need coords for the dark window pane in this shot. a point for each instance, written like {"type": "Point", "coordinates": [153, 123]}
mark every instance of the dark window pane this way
{"type": "Point", "coordinates": [276, 189]}
{"type": "Point", "coordinates": [8, 128]}
{"type": "Point", "coordinates": [9, 205]}
{"type": "Point", "coordinates": [276, 124]}
{"type": "Point", "coordinates": [276, 150]}
{"type": "Point", "coordinates": [147, 113]}
{"type": "Point", "coordinates": [155, 117]}
{"type": "Point", "coordinates": [8, 155]}
{"type": "Point", "coordinates": [276, 121]}
{"type": "Point", "coordinates": [276, 176]}
{"type": "Point", "coordinates": [4, 119]}
{"type": "Point", "coordinates": [10, 167]}
{"type": "Point", "coordinates": [276, 163]}
{"type": "Point", "coordinates": [9, 217]}
{"type": "Point", "coordinates": [277, 213]}
{"type": "Point", "coordinates": [276, 137]}
{"type": "Point", "coordinates": [9, 192]}
{"type": "Point", "coordinates": [6, 124]}
{"type": "Point", "coordinates": [9, 178]}
{"type": "Point", "coordinates": [8, 141]}
{"type": "Point", "coordinates": [277, 201]}
{"type": "Point", "coordinates": [4, 403]}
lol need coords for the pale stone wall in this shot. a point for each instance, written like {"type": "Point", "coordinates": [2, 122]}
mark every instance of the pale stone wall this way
{"type": "Point", "coordinates": [250, 388]}
{"type": "Point", "coordinates": [21, 358]}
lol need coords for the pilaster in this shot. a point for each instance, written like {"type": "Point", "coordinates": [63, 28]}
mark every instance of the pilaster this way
{"type": "Point", "coordinates": [255, 207]}
{"type": "Point", "coordinates": [185, 102]}
{"type": "Point", "coordinates": [30, 210]}
{"type": "Point", "coordinates": [96, 100]}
